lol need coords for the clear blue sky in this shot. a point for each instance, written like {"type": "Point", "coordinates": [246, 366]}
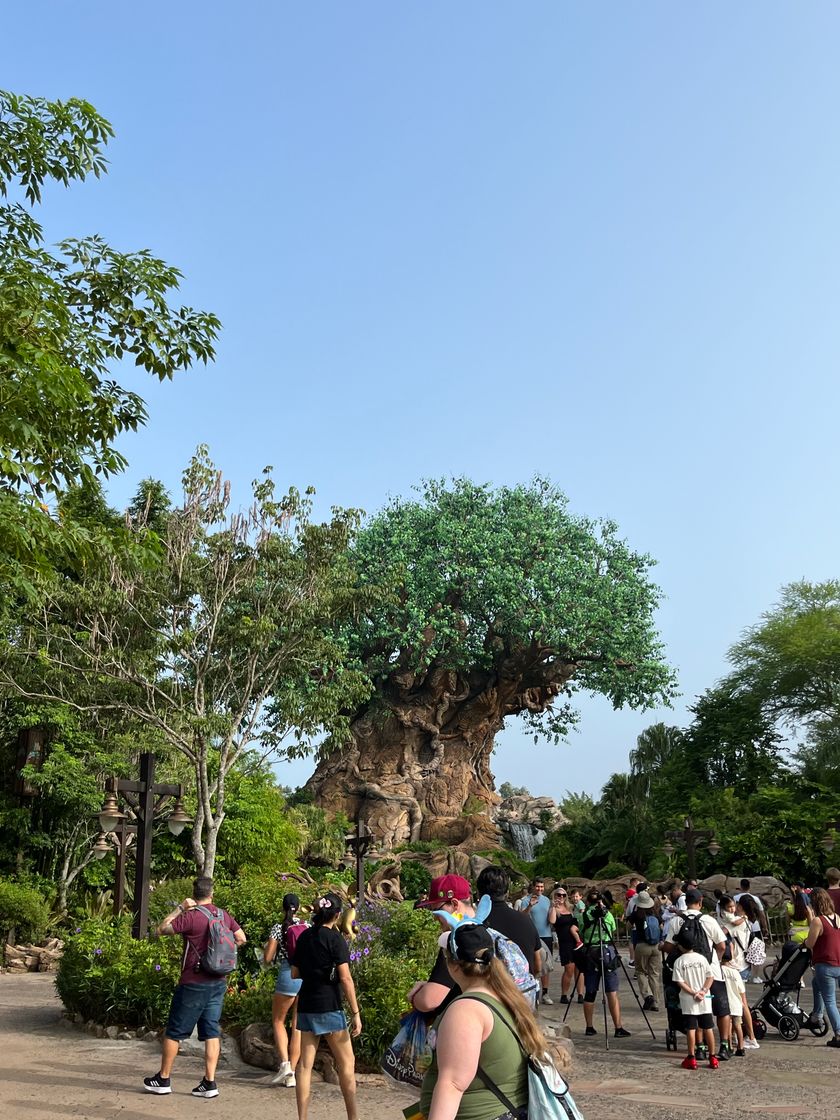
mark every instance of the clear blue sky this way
{"type": "Point", "coordinates": [598, 242]}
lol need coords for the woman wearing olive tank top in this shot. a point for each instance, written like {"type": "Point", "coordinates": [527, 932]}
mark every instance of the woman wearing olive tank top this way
{"type": "Point", "coordinates": [824, 942]}
{"type": "Point", "coordinates": [480, 1028]}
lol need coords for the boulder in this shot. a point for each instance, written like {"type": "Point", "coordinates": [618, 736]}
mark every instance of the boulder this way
{"type": "Point", "coordinates": [256, 1046]}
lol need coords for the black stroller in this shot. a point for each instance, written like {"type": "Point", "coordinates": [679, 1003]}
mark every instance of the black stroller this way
{"type": "Point", "coordinates": [779, 1001]}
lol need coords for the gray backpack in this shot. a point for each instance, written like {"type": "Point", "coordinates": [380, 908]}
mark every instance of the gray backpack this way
{"type": "Point", "coordinates": [219, 958]}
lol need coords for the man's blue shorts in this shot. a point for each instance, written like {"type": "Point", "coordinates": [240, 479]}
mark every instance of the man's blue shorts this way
{"type": "Point", "coordinates": [592, 972]}
{"type": "Point", "coordinates": [196, 1004]}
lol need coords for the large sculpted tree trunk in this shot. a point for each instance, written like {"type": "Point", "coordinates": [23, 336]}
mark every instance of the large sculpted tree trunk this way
{"type": "Point", "coordinates": [417, 766]}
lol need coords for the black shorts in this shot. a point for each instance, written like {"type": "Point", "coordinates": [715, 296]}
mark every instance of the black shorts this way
{"type": "Point", "coordinates": [703, 1022]}
{"type": "Point", "coordinates": [720, 1000]}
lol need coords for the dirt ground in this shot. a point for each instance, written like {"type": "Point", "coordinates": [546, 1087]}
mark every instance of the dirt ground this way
{"type": "Point", "coordinates": [50, 1070]}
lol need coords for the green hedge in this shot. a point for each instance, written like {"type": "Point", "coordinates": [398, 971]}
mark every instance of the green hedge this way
{"type": "Point", "coordinates": [24, 910]}
{"type": "Point", "coordinates": [107, 976]}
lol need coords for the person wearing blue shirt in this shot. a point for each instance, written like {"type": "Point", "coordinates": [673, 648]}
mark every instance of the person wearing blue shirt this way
{"type": "Point", "coordinates": [538, 907]}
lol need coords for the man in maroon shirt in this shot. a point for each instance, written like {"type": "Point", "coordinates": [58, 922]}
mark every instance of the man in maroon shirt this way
{"type": "Point", "coordinates": [197, 999]}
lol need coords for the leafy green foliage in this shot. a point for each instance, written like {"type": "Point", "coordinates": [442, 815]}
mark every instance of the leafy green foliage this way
{"type": "Point", "coordinates": [225, 639]}
{"type": "Point", "coordinates": [259, 831]}
{"type": "Point", "coordinates": [507, 790]}
{"type": "Point", "coordinates": [65, 319]}
{"type": "Point", "coordinates": [414, 878]}
{"type": "Point", "coordinates": [508, 581]}
{"type": "Point", "coordinates": [613, 870]}
{"type": "Point", "coordinates": [396, 946]}
{"type": "Point", "coordinates": [24, 910]}
{"type": "Point", "coordinates": [109, 977]}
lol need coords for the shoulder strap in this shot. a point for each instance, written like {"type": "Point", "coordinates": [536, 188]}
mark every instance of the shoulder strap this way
{"type": "Point", "coordinates": [495, 1011]}
{"type": "Point", "coordinates": [208, 914]}
{"type": "Point", "coordinates": [485, 1079]}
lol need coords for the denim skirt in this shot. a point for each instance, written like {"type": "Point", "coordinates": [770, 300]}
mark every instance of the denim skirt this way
{"type": "Point", "coordinates": [285, 985]}
{"type": "Point", "coordinates": [322, 1022]}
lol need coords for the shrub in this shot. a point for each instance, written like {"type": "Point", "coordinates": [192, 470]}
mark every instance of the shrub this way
{"type": "Point", "coordinates": [395, 946]}
{"type": "Point", "coordinates": [414, 878]}
{"type": "Point", "coordinates": [107, 976]}
{"type": "Point", "coordinates": [23, 911]}
{"type": "Point", "coordinates": [613, 871]}
{"type": "Point", "coordinates": [251, 1001]}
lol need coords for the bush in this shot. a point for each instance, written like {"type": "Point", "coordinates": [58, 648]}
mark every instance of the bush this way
{"type": "Point", "coordinates": [251, 1001]}
{"type": "Point", "coordinates": [395, 946]}
{"type": "Point", "coordinates": [107, 976]}
{"type": "Point", "coordinates": [414, 878]}
{"type": "Point", "coordinates": [613, 871]}
{"type": "Point", "coordinates": [24, 911]}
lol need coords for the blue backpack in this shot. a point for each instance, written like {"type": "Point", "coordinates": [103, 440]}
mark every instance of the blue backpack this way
{"type": "Point", "coordinates": [652, 931]}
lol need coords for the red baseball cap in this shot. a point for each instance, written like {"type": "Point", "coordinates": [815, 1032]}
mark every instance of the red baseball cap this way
{"type": "Point", "coordinates": [445, 889]}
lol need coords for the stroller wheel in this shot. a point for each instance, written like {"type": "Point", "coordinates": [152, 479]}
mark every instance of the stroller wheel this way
{"type": "Point", "coordinates": [819, 1029]}
{"type": "Point", "coordinates": [788, 1028]}
{"type": "Point", "coordinates": [759, 1027]}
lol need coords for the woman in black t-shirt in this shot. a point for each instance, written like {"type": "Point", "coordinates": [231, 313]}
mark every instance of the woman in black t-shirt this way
{"type": "Point", "coordinates": [322, 961]}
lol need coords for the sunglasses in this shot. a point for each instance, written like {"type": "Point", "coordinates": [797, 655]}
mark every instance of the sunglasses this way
{"type": "Point", "coordinates": [560, 894]}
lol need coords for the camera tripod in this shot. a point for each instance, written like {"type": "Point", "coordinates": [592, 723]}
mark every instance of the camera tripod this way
{"type": "Point", "coordinates": [605, 939]}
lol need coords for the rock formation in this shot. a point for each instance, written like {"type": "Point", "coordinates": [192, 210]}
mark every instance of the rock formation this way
{"type": "Point", "coordinates": [525, 819]}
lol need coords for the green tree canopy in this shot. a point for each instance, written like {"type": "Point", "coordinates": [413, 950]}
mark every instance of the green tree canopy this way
{"type": "Point", "coordinates": [509, 582]}
{"type": "Point", "coordinates": [66, 320]}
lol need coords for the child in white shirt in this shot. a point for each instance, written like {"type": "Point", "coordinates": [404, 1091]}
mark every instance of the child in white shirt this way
{"type": "Point", "coordinates": [693, 973]}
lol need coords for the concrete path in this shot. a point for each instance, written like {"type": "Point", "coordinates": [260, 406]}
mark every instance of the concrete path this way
{"type": "Point", "coordinates": [50, 1071]}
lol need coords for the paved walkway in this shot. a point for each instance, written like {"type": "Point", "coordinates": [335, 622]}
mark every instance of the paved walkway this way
{"type": "Point", "coordinates": [49, 1070]}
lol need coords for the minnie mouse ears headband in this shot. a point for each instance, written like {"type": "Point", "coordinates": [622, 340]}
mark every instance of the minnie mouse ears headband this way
{"type": "Point", "coordinates": [469, 941]}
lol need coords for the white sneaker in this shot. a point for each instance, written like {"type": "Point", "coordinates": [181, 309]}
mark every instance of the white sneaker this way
{"type": "Point", "coordinates": [283, 1072]}
{"type": "Point", "coordinates": [548, 1000]}
{"type": "Point", "coordinates": [290, 1081]}
{"type": "Point", "coordinates": [751, 1044]}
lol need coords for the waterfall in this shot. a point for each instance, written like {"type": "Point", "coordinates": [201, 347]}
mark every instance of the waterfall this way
{"type": "Point", "coordinates": [525, 839]}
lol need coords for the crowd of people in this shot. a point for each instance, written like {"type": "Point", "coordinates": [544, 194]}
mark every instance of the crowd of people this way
{"type": "Point", "coordinates": [491, 974]}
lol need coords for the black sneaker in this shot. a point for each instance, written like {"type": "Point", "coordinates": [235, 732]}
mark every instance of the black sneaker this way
{"type": "Point", "coordinates": [564, 999]}
{"type": "Point", "coordinates": [205, 1088]}
{"type": "Point", "coordinates": [157, 1084]}
{"type": "Point", "coordinates": [723, 1054]}
{"type": "Point", "coordinates": [590, 1031]}
{"type": "Point", "coordinates": [620, 1032]}
{"type": "Point", "coordinates": [580, 999]}
{"type": "Point", "coordinates": [740, 1053]}
{"type": "Point", "coordinates": [648, 1004]}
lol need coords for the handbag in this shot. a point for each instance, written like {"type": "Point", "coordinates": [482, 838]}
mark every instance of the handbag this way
{"type": "Point", "coordinates": [409, 1056]}
{"type": "Point", "coordinates": [756, 953]}
{"type": "Point", "coordinates": [548, 1091]}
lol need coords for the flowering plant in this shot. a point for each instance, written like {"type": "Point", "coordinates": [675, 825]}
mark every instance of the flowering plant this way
{"type": "Point", "coordinates": [108, 976]}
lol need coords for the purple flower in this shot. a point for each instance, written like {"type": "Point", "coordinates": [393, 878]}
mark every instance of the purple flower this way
{"type": "Point", "coordinates": [367, 951]}
{"type": "Point", "coordinates": [78, 929]}
{"type": "Point", "coordinates": [157, 968]}
{"type": "Point", "coordinates": [97, 951]}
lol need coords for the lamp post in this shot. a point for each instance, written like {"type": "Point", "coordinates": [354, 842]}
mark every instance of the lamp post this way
{"type": "Point", "coordinates": [147, 799]}
{"type": "Point", "coordinates": [829, 841]}
{"type": "Point", "coordinates": [359, 844]}
{"type": "Point", "coordinates": [118, 837]}
{"type": "Point", "coordinates": [691, 838]}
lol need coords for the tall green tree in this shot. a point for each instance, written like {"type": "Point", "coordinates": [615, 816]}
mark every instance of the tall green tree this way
{"type": "Point", "coordinates": [225, 639]}
{"type": "Point", "coordinates": [505, 605]}
{"type": "Point", "coordinates": [68, 317]}
{"type": "Point", "coordinates": [789, 664]}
